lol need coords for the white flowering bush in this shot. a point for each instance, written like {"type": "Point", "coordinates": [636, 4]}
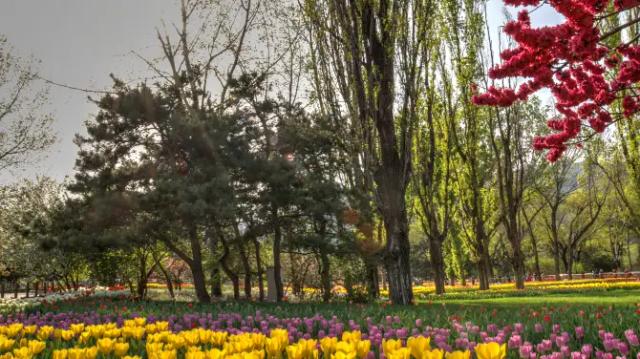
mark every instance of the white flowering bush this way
{"type": "Point", "coordinates": [11, 305]}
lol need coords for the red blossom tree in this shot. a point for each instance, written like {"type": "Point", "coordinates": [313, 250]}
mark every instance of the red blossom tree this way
{"type": "Point", "coordinates": [585, 75]}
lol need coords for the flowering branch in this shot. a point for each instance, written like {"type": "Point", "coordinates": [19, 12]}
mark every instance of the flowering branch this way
{"type": "Point", "coordinates": [585, 76]}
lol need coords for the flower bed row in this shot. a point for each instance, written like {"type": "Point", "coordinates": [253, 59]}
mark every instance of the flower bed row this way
{"type": "Point", "coordinates": [231, 335]}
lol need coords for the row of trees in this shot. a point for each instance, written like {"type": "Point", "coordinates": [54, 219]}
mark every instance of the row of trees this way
{"type": "Point", "coordinates": [337, 142]}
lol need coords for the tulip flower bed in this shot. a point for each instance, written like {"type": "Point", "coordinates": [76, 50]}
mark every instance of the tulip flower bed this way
{"type": "Point", "coordinates": [111, 327]}
{"type": "Point", "coordinates": [533, 289]}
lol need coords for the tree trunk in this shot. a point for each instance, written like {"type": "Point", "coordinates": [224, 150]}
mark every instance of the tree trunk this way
{"type": "Point", "coordinates": [437, 263]}
{"type": "Point", "coordinates": [629, 252]}
{"type": "Point", "coordinates": [36, 289]}
{"type": "Point", "coordinates": [216, 282]}
{"type": "Point", "coordinates": [197, 271]}
{"type": "Point", "coordinates": [570, 263]}
{"type": "Point", "coordinates": [259, 268]}
{"type": "Point", "coordinates": [2, 289]}
{"type": "Point", "coordinates": [235, 279]}
{"type": "Point", "coordinates": [277, 265]}
{"type": "Point", "coordinates": [167, 279]}
{"type": "Point", "coordinates": [397, 259]}
{"type": "Point", "coordinates": [247, 270]}
{"type": "Point", "coordinates": [325, 275]}
{"type": "Point", "coordinates": [536, 257]}
{"type": "Point", "coordinates": [484, 268]}
{"type": "Point", "coordinates": [518, 266]}
{"type": "Point", "coordinates": [373, 282]}
{"type": "Point", "coordinates": [556, 242]}
{"type": "Point", "coordinates": [16, 289]}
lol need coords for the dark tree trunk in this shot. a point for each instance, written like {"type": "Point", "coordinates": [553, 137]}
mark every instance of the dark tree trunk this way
{"type": "Point", "coordinates": [373, 281]}
{"type": "Point", "coordinates": [36, 289]}
{"type": "Point", "coordinates": [216, 282]}
{"type": "Point", "coordinates": [2, 289]}
{"type": "Point", "coordinates": [325, 275]}
{"type": "Point", "coordinates": [16, 289]}
{"type": "Point", "coordinates": [484, 268]}
{"type": "Point", "coordinates": [397, 259]}
{"type": "Point", "coordinates": [235, 279]}
{"type": "Point", "coordinates": [556, 242]}
{"type": "Point", "coordinates": [536, 257]}
{"type": "Point", "coordinates": [235, 282]}
{"type": "Point", "coordinates": [167, 279]}
{"type": "Point", "coordinates": [247, 270]}
{"type": "Point", "coordinates": [259, 268]}
{"type": "Point", "coordinates": [197, 271]}
{"type": "Point", "coordinates": [518, 266]}
{"type": "Point", "coordinates": [437, 263]}
{"type": "Point", "coordinates": [277, 264]}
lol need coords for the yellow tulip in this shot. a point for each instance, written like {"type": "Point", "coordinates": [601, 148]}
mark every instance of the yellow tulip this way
{"type": "Point", "coordinates": [30, 329]}
{"type": "Point", "coordinates": [67, 335]}
{"type": "Point", "coordinates": [280, 333]}
{"type": "Point", "coordinates": [343, 355]}
{"type": "Point", "coordinates": [219, 338]}
{"type": "Point", "coordinates": [390, 345]}
{"type": "Point", "coordinates": [59, 354]}
{"type": "Point", "coordinates": [22, 353]}
{"type": "Point", "coordinates": [97, 331]}
{"type": "Point", "coordinates": [295, 352]}
{"type": "Point", "coordinates": [76, 353]}
{"type": "Point", "coordinates": [152, 347]}
{"type": "Point", "coordinates": [14, 329]}
{"type": "Point", "coordinates": [165, 354]}
{"type": "Point", "coordinates": [458, 355]}
{"type": "Point", "coordinates": [191, 337]}
{"type": "Point", "coordinates": [345, 347]}
{"type": "Point", "coordinates": [84, 337]}
{"type": "Point", "coordinates": [399, 353]}
{"type": "Point", "coordinates": [77, 328]}
{"type": "Point", "coordinates": [418, 345]}
{"type": "Point", "coordinates": [90, 352]}
{"type": "Point", "coordinates": [120, 349]}
{"type": "Point", "coordinates": [429, 354]}
{"type": "Point", "coordinates": [256, 354]}
{"type": "Point", "coordinates": [274, 348]}
{"type": "Point", "coordinates": [6, 343]}
{"type": "Point", "coordinates": [205, 336]}
{"type": "Point", "coordinates": [105, 345]}
{"type": "Point", "coordinates": [194, 353]}
{"type": "Point", "coordinates": [351, 336]}
{"type": "Point", "coordinates": [131, 357]}
{"type": "Point", "coordinates": [491, 350]}
{"type": "Point", "coordinates": [328, 345]}
{"type": "Point", "coordinates": [214, 354]}
{"type": "Point", "coordinates": [36, 346]}
{"type": "Point", "coordinates": [113, 333]}
{"type": "Point", "coordinates": [44, 332]}
{"type": "Point", "coordinates": [176, 340]}
{"type": "Point", "coordinates": [362, 348]}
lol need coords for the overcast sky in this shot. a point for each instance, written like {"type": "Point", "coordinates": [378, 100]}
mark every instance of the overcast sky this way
{"type": "Point", "coordinates": [80, 42]}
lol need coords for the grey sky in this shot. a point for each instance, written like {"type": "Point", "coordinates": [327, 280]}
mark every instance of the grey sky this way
{"type": "Point", "coordinates": [80, 42]}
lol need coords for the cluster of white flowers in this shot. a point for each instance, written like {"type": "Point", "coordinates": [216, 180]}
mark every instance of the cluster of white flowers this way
{"type": "Point", "coordinates": [12, 305]}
